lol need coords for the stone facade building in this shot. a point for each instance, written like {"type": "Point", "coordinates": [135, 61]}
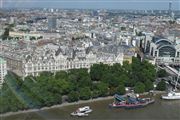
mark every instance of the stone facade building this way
{"type": "Point", "coordinates": [55, 58]}
{"type": "Point", "coordinates": [165, 51]}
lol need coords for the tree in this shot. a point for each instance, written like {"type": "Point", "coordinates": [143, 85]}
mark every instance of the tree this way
{"type": "Point", "coordinates": [103, 89]}
{"type": "Point", "coordinates": [123, 79]}
{"type": "Point", "coordinates": [116, 68]}
{"type": "Point", "coordinates": [148, 71]}
{"type": "Point", "coordinates": [126, 67]}
{"type": "Point", "coordinates": [110, 79]}
{"type": "Point", "coordinates": [112, 91]}
{"type": "Point", "coordinates": [123, 28]}
{"type": "Point", "coordinates": [139, 87]}
{"type": "Point", "coordinates": [142, 71]}
{"type": "Point", "coordinates": [32, 38]}
{"type": "Point", "coordinates": [172, 22]}
{"type": "Point", "coordinates": [136, 69]}
{"type": "Point", "coordinates": [62, 85]}
{"type": "Point", "coordinates": [95, 94]}
{"type": "Point", "coordinates": [161, 73]}
{"type": "Point", "coordinates": [6, 34]}
{"type": "Point", "coordinates": [98, 70]}
{"type": "Point", "coordinates": [161, 86]}
{"type": "Point", "coordinates": [148, 85]}
{"type": "Point", "coordinates": [44, 76]}
{"type": "Point", "coordinates": [73, 96]}
{"type": "Point", "coordinates": [61, 75]}
{"type": "Point", "coordinates": [95, 72]}
{"type": "Point", "coordinates": [40, 37]}
{"type": "Point", "coordinates": [80, 77]}
{"type": "Point", "coordinates": [121, 90]}
{"type": "Point", "coordinates": [85, 93]}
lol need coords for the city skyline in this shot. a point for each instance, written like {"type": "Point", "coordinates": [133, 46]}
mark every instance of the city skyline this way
{"type": "Point", "coordinates": [92, 4]}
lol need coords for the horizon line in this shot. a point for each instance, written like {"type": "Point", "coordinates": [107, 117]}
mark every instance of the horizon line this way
{"type": "Point", "coordinates": [87, 1]}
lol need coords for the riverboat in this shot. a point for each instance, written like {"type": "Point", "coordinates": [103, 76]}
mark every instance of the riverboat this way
{"type": "Point", "coordinates": [130, 102]}
{"type": "Point", "coordinates": [83, 111]}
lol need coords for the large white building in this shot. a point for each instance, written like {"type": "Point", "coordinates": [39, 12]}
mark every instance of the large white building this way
{"type": "Point", "coordinates": [55, 58]}
{"type": "Point", "coordinates": [165, 51]}
{"type": "Point", "coordinates": [3, 70]}
{"type": "Point", "coordinates": [25, 36]}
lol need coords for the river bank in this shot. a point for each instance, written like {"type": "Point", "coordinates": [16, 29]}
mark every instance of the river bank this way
{"type": "Point", "coordinates": [68, 104]}
{"type": "Point", "coordinates": [56, 106]}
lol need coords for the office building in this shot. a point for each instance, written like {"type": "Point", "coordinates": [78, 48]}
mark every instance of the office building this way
{"type": "Point", "coordinates": [52, 22]}
{"type": "Point", "coordinates": [3, 70]}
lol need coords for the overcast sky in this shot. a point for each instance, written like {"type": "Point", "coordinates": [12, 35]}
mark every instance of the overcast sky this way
{"type": "Point", "coordinates": [96, 4]}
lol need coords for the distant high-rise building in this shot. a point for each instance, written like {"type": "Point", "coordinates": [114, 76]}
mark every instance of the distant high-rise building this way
{"type": "Point", "coordinates": [1, 4]}
{"type": "Point", "coordinates": [170, 8]}
{"type": "Point", "coordinates": [52, 10]}
{"type": "Point", "coordinates": [95, 13]}
{"type": "Point", "coordinates": [170, 11]}
{"type": "Point", "coordinates": [52, 22]}
{"type": "Point", "coordinates": [3, 70]}
{"type": "Point", "coordinates": [12, 20]}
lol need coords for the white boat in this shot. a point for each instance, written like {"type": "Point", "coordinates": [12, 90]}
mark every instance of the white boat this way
{"type": "Point", "coordinates": [78, 114]}
{"type": "Point", "coordinates": [172, 95]}
{"type": "Point", "coordinates": [83, 111]}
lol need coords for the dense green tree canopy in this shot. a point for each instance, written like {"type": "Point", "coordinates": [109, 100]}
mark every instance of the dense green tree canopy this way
{"type": "Point", "coordinates": [139, 87]}
{"type": "Point", "coordinates": [162, 73]}
{"type": "Point", "coordinates": [161, 85]}
{"type": "Point", "coordinates": [121, 90]}
{"type": "Point", "coordinates": [85, 93]}
{"type": "Point", "coordinates": [48, 88]}
{"type": "Point", "coordinates": [73, 96]}
{"type": "Point", "coordinates": [148, 85]}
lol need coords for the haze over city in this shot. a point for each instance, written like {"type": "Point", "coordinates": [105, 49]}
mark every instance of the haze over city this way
{"type": "Point", "coordinates": [90, 59]}
{"type": "Point", "coordinates": [93, 4]}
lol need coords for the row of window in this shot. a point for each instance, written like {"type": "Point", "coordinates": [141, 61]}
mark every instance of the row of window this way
{"type": "Point", "coordinates": [54, 64]}
{"type": "Point", "coordinates": [2, 72]}
{"type": "Point", "coordinates": [1, 78]}
{"type": "Point", "coordinates": [2, 66]}
{"type": "Point", "coordinates": [59, 67]}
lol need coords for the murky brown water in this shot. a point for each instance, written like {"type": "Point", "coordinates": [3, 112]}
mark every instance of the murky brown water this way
{"type": "Point", "coordinates": [160, 110]}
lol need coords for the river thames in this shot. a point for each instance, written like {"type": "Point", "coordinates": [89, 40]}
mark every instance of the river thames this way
{"type": "Point", "coordinates": [160, 110]}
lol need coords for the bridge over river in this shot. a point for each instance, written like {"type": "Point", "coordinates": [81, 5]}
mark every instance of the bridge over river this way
{"type": "Point", "coordinates": [174, 73]}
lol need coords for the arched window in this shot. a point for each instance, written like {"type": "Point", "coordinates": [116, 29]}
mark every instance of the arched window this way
{"type": "Point", "coordinates": [167, 51]}
{"type": "Point", "coordinates": [163, 42]}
